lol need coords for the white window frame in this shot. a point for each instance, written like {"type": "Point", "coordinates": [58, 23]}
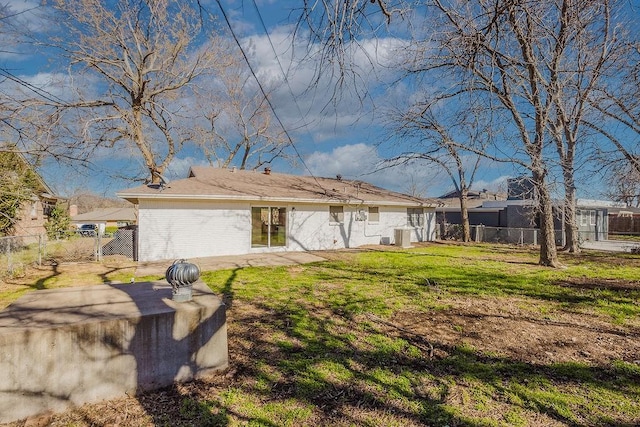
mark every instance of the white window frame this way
{"type": "Point", "coordinates": [583, 218]}
{"type": "Point", "coordinates": [374, 214]}
{"type": "Point", "coordinates": [412, 215]}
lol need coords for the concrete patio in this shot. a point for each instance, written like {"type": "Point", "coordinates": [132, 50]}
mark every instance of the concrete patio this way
{"type": "Point", "coordinates": [233, 261]}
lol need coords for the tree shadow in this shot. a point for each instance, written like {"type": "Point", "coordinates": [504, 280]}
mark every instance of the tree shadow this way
{"type": "Point", "coordinates": [174, 343]}
{"type": "Point", "coordinates": [334, 358]}
{"type": "Point", "coordinates": [312, 343]}
{"type": "Point", "coordinates": [41, 282]}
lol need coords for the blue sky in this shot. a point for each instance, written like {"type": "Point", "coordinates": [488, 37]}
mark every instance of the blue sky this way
{"type": "Point", "coordinates": [344, 137]}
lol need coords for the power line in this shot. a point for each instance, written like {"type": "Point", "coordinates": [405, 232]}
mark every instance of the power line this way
{"type": "Point", "coordinates": [39, 91]}
{"type": "Point", "coordinates": [262, 90]}
{"type": "Point", "coordinates": [285, 75]}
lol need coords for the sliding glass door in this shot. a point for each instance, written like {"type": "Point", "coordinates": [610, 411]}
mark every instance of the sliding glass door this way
{"type": "Point", "coordinates": [268, 227]}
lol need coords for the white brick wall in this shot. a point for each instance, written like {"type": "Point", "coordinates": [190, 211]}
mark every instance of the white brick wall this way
{"type": "Point", "coordinates": [191, 229]}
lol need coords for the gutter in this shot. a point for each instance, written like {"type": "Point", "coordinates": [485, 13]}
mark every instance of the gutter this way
{"type": "Point", "coordinates": [134, 198]}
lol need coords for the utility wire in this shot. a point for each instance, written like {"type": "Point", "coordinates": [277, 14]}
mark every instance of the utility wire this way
{"type": "Point", "coordinates": [262, 90]}
{"type": "Point", "coordinates": [38, 91]}
{"type": "Point", "coordinates": [285, 75]}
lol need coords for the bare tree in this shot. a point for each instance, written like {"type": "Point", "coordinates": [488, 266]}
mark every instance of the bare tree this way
{"type": "Point", "coordinates": [24, 122]}
{"type": "Point", "coordinates": [518, 55]}
{"type": "Point", "coordinates": [624, 184]}
{"type": "Point", "coordinates": [440, 140]}
{"type": "Point", "coordinates": [143, 61]}
{"type": "Point", "coordinates": [585, 47]}
{"type": "Point", "coordinates": [540, 63]}
{"type": "Point", "coordinates": [618, 105]}
{"type": "Point", "coordinates": [241, 130]}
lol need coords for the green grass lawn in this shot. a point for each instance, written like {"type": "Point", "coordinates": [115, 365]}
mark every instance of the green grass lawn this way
{"type": "Point", "coordinates": [318, 344]}
{"type": "Point", "coordinates": [441, 335]}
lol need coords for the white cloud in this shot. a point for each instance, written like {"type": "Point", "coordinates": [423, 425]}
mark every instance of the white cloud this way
{"type": "Point", "coordinates": [363, 162]}
{"type": "Point", "coordinates": [498, 184]}
{"type": "Point", "coordinates": [350, 161]}
{"type": "Point", "coordinates": [17, 17]}
{"type": "Point", "coordinates": [308, 100]}
{"type": "Point", "coordinates": [179, 167]}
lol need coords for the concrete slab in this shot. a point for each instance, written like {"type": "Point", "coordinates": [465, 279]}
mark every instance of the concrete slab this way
{"type": "Point", "coordinates": [233, 261]}
{"type": "Point", "coordinates": [65, 347]}
{"type": "Point", "coordinates": [610, 245]}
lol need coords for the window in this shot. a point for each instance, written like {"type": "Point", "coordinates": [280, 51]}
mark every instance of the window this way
{"type": "Point", "coordinates": [415, 217]}
{"type": "Point", "coordinates": [592, 217]}
{"type": "Point", "coordinates": [584, 217]}
{"type": "Point", "coordinates": [336, 214]}
{"type": "Point", "coordinates": [268, 227]}
{"type": "Point", "coordinates": [374, 214]}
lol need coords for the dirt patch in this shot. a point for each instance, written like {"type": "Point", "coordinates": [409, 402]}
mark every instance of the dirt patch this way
{"type": "Point", "coordinates": [604, 284]}
{"type": "Point", "coordinates": [538, 333]}
{"type": "Point", "coordinates": [507, 328]}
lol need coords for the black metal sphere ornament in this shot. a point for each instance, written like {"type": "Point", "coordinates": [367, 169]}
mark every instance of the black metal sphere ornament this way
{"type": "Point", "coordinates": [181, 275]}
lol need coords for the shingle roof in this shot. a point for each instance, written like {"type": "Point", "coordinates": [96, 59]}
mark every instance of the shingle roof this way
{"type": "Point", "coordinates": [107, 214]}
{"type": "Point", "coordinates": [209, 183]}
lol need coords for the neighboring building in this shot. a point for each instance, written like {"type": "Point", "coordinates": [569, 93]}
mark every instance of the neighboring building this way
{"type": "Point", "coordinates": [34, 215]}
{"type": "Point", "coordinates": [518, 211]}
{"type": "Point", "coordinates": [449, 212]}
{"type": "Point", "coordinates": [107, 217]}
{"type": "Point", "coordinates": [34, 212]}
{"type": "Point", "coordinates": [228, 212]}
{"type": "Point", "coordinates": [521, 188]}
{"type": "Point", "coordinates": [591, 217]}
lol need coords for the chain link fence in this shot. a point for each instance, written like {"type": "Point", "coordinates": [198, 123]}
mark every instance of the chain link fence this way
{"type": "Point", "coordinates": [482, 233]}
{"type": "Point", "coordinates": [18, 253]}
{"type": "Point", "coordinates": [530, 236]}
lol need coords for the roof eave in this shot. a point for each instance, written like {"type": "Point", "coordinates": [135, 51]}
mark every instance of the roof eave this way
{"type": "Point", "coordinates": [136, 197]}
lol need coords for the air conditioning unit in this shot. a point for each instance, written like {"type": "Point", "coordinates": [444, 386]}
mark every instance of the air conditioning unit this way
{"type": "Point", "coordinates": [403, 237]}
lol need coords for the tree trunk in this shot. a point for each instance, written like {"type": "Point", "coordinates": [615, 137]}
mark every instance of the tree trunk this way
{"type": "Point", "coordinates": [548, 250]}
{"type": "Point", "coordinates": [464, 213]}
{"type": "Point", "coordinates": [572, 243]}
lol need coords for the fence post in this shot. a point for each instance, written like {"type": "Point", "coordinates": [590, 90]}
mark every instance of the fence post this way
{"type": "Point", "coordinates": [134, 236]}
{"type": "Point", "coordinates": [97, 243]}
{"type": "Point", "coordinates": [9, 260]}
{"type": "Point", "coordinates": [100, 247]}
{"type": "Point", "coordinates": [535, 236]}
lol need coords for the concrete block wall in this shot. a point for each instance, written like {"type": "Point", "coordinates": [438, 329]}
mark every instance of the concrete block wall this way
{"type": "Point", "coordinates": [66, 347]}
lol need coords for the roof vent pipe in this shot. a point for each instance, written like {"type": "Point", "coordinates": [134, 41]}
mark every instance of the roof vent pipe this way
{"type": "Point", "coordinates": [267, 171]}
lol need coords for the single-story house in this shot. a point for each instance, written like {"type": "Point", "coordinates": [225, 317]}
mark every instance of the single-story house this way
{"type": "Point", "coordinates": [218, 211]}
{"type": "Point", "coordinates": [591, 217]}
{"type": "Point", "coordinates": [107, 217]}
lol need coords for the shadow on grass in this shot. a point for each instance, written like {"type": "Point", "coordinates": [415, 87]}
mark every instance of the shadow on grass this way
{"type": "Point", "coordinates": [41, 283]}
{"type": "Point", "coordinates": [348, 376]}
{"type": "Point", "coordinates": [317, 350]}
{"type": "Point", "coordinates": [456, 280]}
